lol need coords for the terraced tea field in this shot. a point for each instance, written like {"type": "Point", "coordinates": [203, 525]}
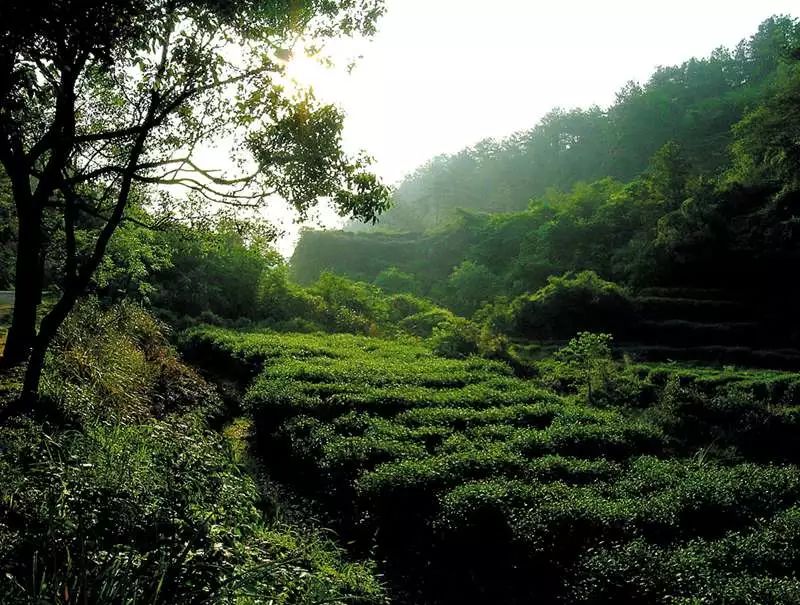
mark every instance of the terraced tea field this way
{"type": "Point", "coordinates": [475, 486]}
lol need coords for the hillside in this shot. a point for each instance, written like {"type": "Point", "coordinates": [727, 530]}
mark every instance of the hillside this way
{"type": "Point", "coordinates": [474, 486]}
{"type": "Point", "coordinates": [564, 368]}
{"type": "Point", "coordinates": [693, 104]}
{"type": "Point", "coordinates": [698, 212]}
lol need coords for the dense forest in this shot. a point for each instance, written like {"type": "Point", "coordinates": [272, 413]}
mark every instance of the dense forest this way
{"type": "Point", "coordinates": [685, 190]}
{"type": "Point", "coordinates": [560, 367]}
{"type": "Point", "coordinates": [694, 105]}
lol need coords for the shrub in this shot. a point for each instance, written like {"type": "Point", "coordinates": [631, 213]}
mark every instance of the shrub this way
{"type": "Point", "coordinates": [157, 512]}
{"type": "Point", "coordinates": [405, 305]}
{"type": "Point", "coordinates": [573, 303]}
{"type": "Point", "coordinates": [469, 286]}
{"type": "Point", "coordinates": [484, 487]}
{"type": "Point", "coordinates": [458, 338]}
{"type": "Point", "coordinates": [731, 417]}
{"type": "Point", "coordinates": [588, 357]}
{"type": "Point", "coordinates": [350, 306]}
{"type": "Point", "coordinates": [395, 281]}
{"type": "Point", "coordinates": [642, 572]}
{"type": "Point", "coordinates": [423, 324]}
{"type": "Point", "coordinates": [115, 363]}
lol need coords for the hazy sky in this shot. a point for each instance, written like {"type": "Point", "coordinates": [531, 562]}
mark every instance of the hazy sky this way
{"type": "Point", "coordinates": [443, 74]}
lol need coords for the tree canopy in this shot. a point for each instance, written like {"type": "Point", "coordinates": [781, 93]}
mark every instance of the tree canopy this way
{"type": "Point", "coordinates": [105, 107]}
{"type": "Point", "coordinates": [694, 105]}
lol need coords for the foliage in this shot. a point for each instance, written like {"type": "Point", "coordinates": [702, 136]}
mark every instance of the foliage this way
{"type": "Point", "coordinates": [8, 234]}
{"type": "Point", "coordinates": [693, 104]}
{"type": "Point", "coordinates": [588, 356]}
{"type": "Point", "coordinates": [570, 304]}
{"type": "Point", "coordinates": [156, 511]}
{"type": "Point", "coordinates": [766, 143]}
{"type": "Point", "coordinates": [137, 499]}
{"type": "Point", "coordinates": [469, 286]}
{"type": "Point", "coordinates": [460, 454]}
{"type": "Point", "coordinates": [425, 322]}
{"type": "Point", "coordinates": [687, 182]}
{"type": "Point", "coordinates": [485, 487]}
{"type": "Point", "coordinates": [109, 106]}
{"type": "Point", "coordinates": [395, 281]}
{"type": "Point", "coordinates": [214, 268]}
{"type": "Point", "coordinates": [355, 306]}
{"type": "Point", "coordinates": [115, 364]}
{"type": "Point", "coordinates": [458, 338]}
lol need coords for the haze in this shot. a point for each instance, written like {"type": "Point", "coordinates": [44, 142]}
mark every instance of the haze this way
{"type": "Point", "coordinates": [443, 74]}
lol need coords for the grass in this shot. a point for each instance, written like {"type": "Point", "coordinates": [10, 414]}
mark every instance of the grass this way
{"type": "Point", "coordinates": [127, 495]}
{"type": "Point", "coordinates": [5, 321]}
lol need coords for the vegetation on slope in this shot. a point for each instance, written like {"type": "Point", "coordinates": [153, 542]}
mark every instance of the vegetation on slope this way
{"type": "Point", "coordinates": [694, 105]}
{"type": "Point", "coordinates": [703, 216]}
{"type": "Point", "coordinates": [453, 397]}
{"type": "Point", "coordinates": [122, 493]}
{"type": "Point", "coordinates": [477, 486]}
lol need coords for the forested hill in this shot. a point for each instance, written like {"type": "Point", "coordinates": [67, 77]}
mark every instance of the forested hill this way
{"type": "Point", "coordinates": [694, 104]}
{"type": "Point", "coordinates": [696, 186]}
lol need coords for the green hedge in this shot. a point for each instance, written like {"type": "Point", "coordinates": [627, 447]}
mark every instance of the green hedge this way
{"type": "Point", "coordinates": [482, 487]}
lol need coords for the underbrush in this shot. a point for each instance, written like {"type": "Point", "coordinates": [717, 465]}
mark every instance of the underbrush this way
{"type": "Point", "coordinates": [116, 364]}
{"type": "Point", "coordinates": [122, 493]}
{"type": "Point", "coordinates": [476, 486]}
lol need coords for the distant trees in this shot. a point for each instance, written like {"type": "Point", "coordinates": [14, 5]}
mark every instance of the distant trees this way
{"type": "Point", "coordinates": [104, 105]}
{"type": "Point", "coordinates": [469, 286]}
{"type": "Point", "coordinates": [567, 305]}
{"type": "Point", "coordinates": [394, 281]}
{"type": "Point", "coordinates": [694, 105]}
{"type": "Point", "coordinates": [768, 139]}
{"type": "Point", "coordinates": [669, 173]}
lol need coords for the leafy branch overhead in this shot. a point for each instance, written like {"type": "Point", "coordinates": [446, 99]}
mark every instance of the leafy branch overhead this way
{"type": "Point", "coordinates": [109, 106]}
{"type": "Point", "coordinates": [85, 88]}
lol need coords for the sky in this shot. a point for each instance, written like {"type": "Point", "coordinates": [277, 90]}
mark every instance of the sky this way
{"type": "Point", "coordinates": [444, 74]}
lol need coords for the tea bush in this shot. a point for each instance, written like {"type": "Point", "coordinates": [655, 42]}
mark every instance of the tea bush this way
{"type": "Point", "coordinates": [480, 486]}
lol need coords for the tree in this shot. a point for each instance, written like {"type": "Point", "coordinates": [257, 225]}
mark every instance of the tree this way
{"type": "Point", "coordinates": [669, 174]}
{"type": "Point", "coordinates": [214, 268]}
{"type": "Point", "coordinates": [469, 286]}
{"type": "Point", "coordinates": [588, 356]}
{"type": "Point", "coordinates": [767, 146]}
{"type": "Point", "coordinates": [395, 281]}
{"type": "Point", "coordinates": [106, 103]}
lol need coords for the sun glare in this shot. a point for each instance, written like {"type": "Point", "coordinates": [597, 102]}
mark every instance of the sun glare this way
{"type": "Point", "coordinates": [304, 70]}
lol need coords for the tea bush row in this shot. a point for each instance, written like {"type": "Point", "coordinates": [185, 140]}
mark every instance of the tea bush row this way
{"type": "Point", "coordinates": [482, 487]}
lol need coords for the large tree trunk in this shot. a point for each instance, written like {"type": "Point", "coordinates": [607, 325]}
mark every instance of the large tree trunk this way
{"type": "Point", "coordinates": [28, 289]}
{"type": "Point", "coordinates": [47, 331]}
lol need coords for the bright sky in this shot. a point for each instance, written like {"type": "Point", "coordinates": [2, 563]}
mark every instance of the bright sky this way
{"type": "Point", "coordinates": [444, 74]}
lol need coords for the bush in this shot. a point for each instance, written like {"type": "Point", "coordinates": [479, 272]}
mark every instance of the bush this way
{"type": "Point", "coordinates": [469, 286]}
{"type": "Point", "coordinates": [573, 303]}
{"type": "Point", "coordinates": [730, 417]}
{"type": "Point", "coordinates": [484, 487]}
{"type": "Point", "coordinates": [458, 338]}
{"type": "Point", "coordinates": [642, 572]}
{"type": "Point", "coordinates": [350, 306]}
{"type": "Point", "coordinates": [139, 501]}
{"type": "Point", "coordinates": [402, 306]}
{"type": "Point", "coordinates": [115, 363]}
{"type": "Point", "coordinates": [395, 281]}
{"type": "Point", "coordinates": [157, 512]}
{"type": "Point", "coordinates": [423, 324]}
